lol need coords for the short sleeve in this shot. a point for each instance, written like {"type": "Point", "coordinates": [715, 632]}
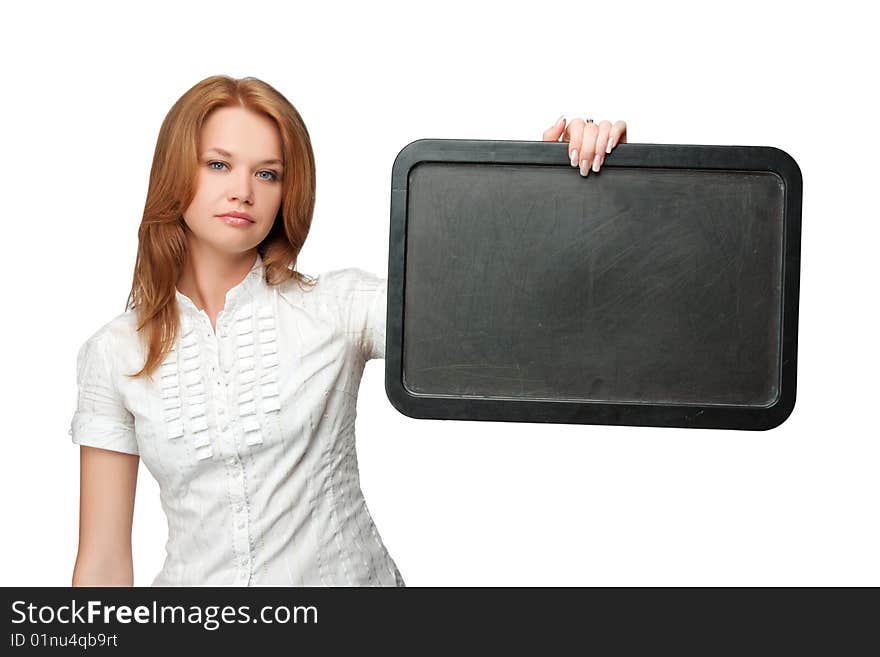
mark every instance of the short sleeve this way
{"type": "Point", "coordinates": [374, 332]}
{"type": "Point", "coordinates": [101, 419]}
{"type": "Point", "coordinates": [367, 312]}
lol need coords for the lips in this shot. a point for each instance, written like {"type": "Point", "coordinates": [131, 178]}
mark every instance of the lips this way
{"type": "Point", "coordinates": [237, 215]}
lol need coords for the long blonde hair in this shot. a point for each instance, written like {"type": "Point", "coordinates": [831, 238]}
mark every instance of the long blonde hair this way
{"type": "Point", "coordinates": [162, 242]}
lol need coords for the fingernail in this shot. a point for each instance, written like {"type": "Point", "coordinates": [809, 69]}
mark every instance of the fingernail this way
{"type": "Point", "coordinates": [608, 150]}
{"type": "Point", "coordinates": [585, 168]}
{"type": "Point", "coordinates": [596, 162]}
{"type": "Point", "coordinates": [574, 158]}
{"type": "Point", "coordinates": [556, 122]}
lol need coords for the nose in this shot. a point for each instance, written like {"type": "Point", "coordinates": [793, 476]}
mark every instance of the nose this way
{"type": "Point", "coordinates": [241, 188]}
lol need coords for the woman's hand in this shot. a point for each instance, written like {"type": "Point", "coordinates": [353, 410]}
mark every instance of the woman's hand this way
{"type": "Point", "coordinates": [588, 142]}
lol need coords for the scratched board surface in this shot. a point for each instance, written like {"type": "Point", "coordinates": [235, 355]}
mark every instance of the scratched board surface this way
{"type": "Point", "coordinates": [633, 285]}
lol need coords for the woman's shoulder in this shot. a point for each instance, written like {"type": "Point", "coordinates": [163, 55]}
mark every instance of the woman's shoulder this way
{"type": "Point", "coordinates": [119, 331]}
{"type": "Point", "coordinates": [333, 283]}
{"type": "Point", "coordinates": [349, 278]}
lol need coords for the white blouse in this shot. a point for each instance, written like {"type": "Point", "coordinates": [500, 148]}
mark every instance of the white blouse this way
{"type": "Point", "coordinates": [250, 431]}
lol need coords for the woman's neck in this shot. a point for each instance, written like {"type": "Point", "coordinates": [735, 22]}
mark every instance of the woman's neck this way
{"type": "Point", "coordinates": [208, 275]}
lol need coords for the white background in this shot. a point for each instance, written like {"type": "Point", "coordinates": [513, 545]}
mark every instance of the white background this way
{"type": "Point", "coordinates": [87, 85]}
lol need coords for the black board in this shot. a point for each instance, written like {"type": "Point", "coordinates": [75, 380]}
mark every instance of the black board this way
{"type": "Point", "coordinates": [660, 291]}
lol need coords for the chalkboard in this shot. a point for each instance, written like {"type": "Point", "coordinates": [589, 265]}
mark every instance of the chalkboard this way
{"type": "Point", "coordinates": [660, 291]}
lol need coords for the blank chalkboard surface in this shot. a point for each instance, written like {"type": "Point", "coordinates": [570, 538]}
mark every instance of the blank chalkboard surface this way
{"type": "Point", "coordinates": [662, 290]}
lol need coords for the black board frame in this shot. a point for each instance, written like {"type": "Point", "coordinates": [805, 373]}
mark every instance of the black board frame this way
{"type": "Point", "coordinates": [670, 156]}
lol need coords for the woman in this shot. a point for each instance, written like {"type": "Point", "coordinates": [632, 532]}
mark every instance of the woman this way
{"type": "Point", "coordinates": [230, 374]}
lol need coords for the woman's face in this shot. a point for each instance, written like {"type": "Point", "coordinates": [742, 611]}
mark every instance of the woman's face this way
{"type": "Point", "coordinates": [239, 177]}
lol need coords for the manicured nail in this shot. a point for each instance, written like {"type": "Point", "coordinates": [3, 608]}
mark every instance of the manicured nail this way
{"type": "Point", "coordinates": [596, 162]}
{"type": "Point", "coordinates": [608, 150]}
{"type": "Point", "coordinates": [556, 122]}
{"type": "Point", "coordinates": [585, 168]}
{"type": "Point", "coordinates": [574, 158]}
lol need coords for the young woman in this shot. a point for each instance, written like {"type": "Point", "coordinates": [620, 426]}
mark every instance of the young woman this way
{"type": "Point", "coordinates": [230, 374]}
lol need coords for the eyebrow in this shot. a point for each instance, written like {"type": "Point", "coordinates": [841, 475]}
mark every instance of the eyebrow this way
{"type": "Point", "coordinates": [228, 154]}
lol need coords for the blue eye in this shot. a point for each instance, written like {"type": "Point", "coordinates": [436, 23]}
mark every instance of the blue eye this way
{"type": "Point", "coordinates": [271, 173]}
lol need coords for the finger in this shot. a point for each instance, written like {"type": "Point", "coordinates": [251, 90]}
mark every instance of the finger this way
{"type": "Point", "coordinates": [617, 136]}
{"type": "Point", "coordinates": [601, 144]}
{"type": "Point", "coordinates": [575, 134]}
{"type": "Point", "coordinates": [588, 147]}
{"type": "Point", "coordinates": [554, 132]}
